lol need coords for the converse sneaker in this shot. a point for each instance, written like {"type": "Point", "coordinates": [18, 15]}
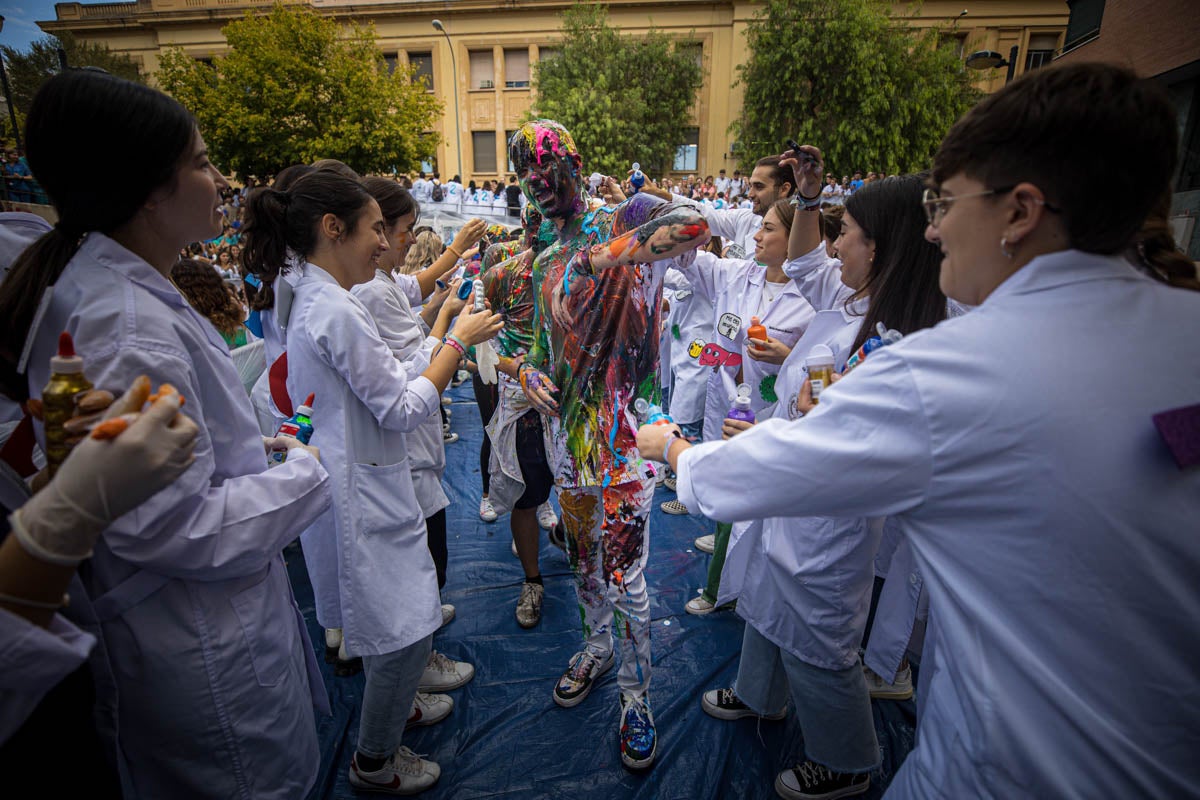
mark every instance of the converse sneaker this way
{"type": "Point", "coordinates": [811, 781]}
{"type": "Point", "coordinates": [575, 684]}
{"type": "Point", "coordinates": [639, 740]}
{"type": "Point", "coordinates": [404, 773]}
{"type": "Point", "coordinates": [706, 544]}
{"type": "Point", "coordinates": [558, 536]}
{"type": "Point", "coordinates": [547, 519]}
{"type": "Point", "coordinates": [443, 674]}
{"type": "Point", "coordinates": [429, 709]}
{"type": "Point", "coordinates": [529, 607]}
{"type": "Point", "coordinates": [899, 689]}
{"type": "Point", "coordinates": [449, 437]}
{"type": "Point", "coordinates": [344, 666]}
{"type": "Point", "coordinates": [486, 512]}
{"type": "Point", "coordinates": [725, 704]}
{"type": "Point", "coordinates": [674, 507]}
{"type": "Point", "coordinates": [447, 614]}
{"type": "Point", "coordinates": [699, 606]}
{"type": "Point", "coordinates": [333, 640]}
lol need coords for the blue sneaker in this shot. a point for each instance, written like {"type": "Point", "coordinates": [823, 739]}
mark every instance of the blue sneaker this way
{"type": "Point", "coordinates": [639, 741]}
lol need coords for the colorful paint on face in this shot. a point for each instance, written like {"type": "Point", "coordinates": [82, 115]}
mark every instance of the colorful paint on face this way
{"type": "Point", "coordinates": [548, 165]}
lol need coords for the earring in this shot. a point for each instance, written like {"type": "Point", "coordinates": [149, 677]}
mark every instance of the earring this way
{"type": "Point", "coordinates": [1004, 248]}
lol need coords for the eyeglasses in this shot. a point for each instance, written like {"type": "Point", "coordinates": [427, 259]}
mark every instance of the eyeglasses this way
{"type": "Point", "coordinates": [935, 205]}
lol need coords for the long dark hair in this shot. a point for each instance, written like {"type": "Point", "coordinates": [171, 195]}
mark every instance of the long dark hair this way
{"type": "Point", "coordinates": [394, 200]}
{"type": "Point", "coordinates": [902, 283]}
{"type": "Point", "coordinates": [80, 121]}
{"type": "Point", "coordinates": [279, 223]}
{"type": "Point", "coordinates": [1071, 131]}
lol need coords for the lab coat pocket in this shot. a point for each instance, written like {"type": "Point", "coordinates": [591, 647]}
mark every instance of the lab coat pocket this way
{"type": "Point", "coordinates": [269, 656]}
{"type": "Point", "coordinates": [382, 499]}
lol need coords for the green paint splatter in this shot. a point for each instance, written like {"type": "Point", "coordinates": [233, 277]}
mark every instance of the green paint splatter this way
{"type": "Point", "coordinates": [766, 389]}
{"type": "Point", "coordinates": [675, 334]}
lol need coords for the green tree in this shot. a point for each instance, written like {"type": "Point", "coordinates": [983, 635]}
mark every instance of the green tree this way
{"type": "Point", "coordinates": [872, 92]}
{"type": "Point", "coordinates": [295, 87]}
{"type": "Point", "coordinates": [623, 98]}
{"type": "Point", "coordinates": [28, 70]}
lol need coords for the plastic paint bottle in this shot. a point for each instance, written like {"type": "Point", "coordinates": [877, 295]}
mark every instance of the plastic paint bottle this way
{"type": "Point", "coordinates": [741, 410]}
{"type": "Point", "coordinates": [886, 336]}
{"type": "Point", "coordinates": [651, 414]}
{"type": "Point", "coordinates": [756, 331]}
{"type": "Point", "coordinates": [638, 179]}
{"type": "Point", "coordinates": [820, 369]}
{"type": "Point", "coordinates": [486, 357]}
{"type": "Point", "coordinates": [58, 399]}
{"type": "Point", "coordinates": [298, 427]}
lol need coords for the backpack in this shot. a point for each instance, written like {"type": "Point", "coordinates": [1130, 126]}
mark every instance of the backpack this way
{"type": "Point", "coordinates": [439, 194]}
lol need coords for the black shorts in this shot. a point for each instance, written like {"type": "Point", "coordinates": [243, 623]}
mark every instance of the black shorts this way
{"type": "Point", "coordinates": [531, 456]}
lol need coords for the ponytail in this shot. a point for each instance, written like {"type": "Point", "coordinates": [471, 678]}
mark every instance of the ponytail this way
{"type": "Point", "coordinates": [1154, 250]}
{"type": "Point", "coordinates": [264, 244]}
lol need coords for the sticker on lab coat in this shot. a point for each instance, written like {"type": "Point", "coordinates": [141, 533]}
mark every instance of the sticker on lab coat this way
{"type": "Point", "coordinates": [729, 325]}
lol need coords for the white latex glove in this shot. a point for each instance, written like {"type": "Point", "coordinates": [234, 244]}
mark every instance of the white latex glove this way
{"type": "Point", "coordinates": [274, 444]}
{"type": "Point", "coordinates": [103, 479]}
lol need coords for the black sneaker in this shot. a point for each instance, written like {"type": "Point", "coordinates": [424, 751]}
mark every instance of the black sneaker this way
{"type": "Point", "coordinates": [725, 704]}
{"type": "Point", "coordinates": [811, 781]}
{"type": "Point", "coordinates": [575, 684]}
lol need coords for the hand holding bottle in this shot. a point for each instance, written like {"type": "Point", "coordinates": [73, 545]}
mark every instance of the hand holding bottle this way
{"type": "Point", "coordinates": [472, 327]}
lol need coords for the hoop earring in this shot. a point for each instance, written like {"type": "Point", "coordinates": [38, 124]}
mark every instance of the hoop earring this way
{"type": "Point", "coordinates": [1009, 254]}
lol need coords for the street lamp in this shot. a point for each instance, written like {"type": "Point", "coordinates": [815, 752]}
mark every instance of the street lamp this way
{"type": "Point", "coordinates": [437, 24]}
{"type": "Point", "coordinates": [990, 59]}
{"type": "Point", "coordinates": [8, 99]}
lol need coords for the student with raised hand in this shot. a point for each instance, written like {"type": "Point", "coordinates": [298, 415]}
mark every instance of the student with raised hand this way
{"type": "Point", "coordinates": [210, 693]}
{"type": "Point", "coordinates": [382, 590]}
{"type": "Point", "coordinates": [1043, 500]}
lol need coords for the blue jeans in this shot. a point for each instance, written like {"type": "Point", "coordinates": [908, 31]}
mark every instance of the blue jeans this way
{"type": "Point", "coordinates": [392, 680]}
{"type": "Point", "coordinates": [833, 706]}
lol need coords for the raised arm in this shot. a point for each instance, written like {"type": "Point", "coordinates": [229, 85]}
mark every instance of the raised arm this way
{"type": "Point", "coordinates": [806, 231]}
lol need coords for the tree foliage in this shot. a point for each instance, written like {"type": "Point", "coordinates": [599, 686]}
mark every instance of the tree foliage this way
{"type": "Point", "coordinates": [623, 98]}
{"type": "Point", "coordinates": [872, 92]}
{"type": "Point", "coordinates": [295, 87]}
{"type": "Point", "coordinates": [28, 70]}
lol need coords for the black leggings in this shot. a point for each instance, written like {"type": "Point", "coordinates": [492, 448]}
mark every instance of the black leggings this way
{"type": "Point", "coordinates": [435, 534]}
{"type": "Point", "coordinates": [486, 397]}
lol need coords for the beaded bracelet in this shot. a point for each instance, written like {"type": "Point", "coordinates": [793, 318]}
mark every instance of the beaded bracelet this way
{"type": "Point", "coordinates": [453, 341]}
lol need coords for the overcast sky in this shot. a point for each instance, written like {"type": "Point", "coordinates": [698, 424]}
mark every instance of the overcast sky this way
{"type": "Point", "coordinates": [19, 21]}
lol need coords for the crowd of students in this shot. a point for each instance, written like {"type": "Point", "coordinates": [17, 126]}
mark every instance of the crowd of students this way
{"type": "Point", "coordinates": [1000, 477]}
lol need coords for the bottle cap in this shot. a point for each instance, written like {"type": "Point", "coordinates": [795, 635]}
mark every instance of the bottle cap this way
{"type": "Point", "coordinates": [307, 406]}
{"type": "Point", "coordinates": [642, 407]}
{"type": "Point", "coordinates": [66, 361]}
{"type": "Point", "coordinates": [637, 167]}
{"type": "Point", "coordinates": [743, 395]}
{"type": "Point", "coordinates": [819, 356]}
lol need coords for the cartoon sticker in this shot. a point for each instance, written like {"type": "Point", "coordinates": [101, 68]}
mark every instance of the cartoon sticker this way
{"type": "Point", "coordinates": [729, 325]}
{"type": "Point", "coordinates": [695, 347]}
{"type": "Point", "coordinates": [713, 355]}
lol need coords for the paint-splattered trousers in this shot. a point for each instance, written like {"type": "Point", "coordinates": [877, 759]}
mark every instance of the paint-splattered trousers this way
{"type": "Point", "coordinates": [608, 543]}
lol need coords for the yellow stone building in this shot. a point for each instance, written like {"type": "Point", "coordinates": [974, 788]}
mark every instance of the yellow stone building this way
{"type": "Point", "coordinates": [482, 62]}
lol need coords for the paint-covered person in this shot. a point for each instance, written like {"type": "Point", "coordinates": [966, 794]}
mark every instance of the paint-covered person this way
{"type": "Point", "coordinates": [598, 295]}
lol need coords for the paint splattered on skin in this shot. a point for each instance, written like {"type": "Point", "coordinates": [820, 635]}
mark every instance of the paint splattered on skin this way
{"type": "Point", "coordinates": [766, 388]}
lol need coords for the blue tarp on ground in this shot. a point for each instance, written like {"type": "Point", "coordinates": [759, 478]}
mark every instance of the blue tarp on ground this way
{"type": "Point", "coordinates": [507, 738]}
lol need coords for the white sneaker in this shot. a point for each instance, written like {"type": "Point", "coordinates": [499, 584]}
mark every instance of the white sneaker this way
{"type": "Point", "coordinates": [547, 519]}
{"type": "Point", "coordinates": [674, 507]}
{"type": "Point", "coordinates": [446, 401]}
{"type": "Point", "coordinates": [447, 614]}
{"type": "Point", "coordinates": [486, 512]}
{"type": "Point", "coordinates": [450, 437]}
{"type": "Point", "coordinates": [443, 674]}
{"type": "Point", "coordinates": [429, 709]}
{"type": "Point", "coordinates": [706, 544]}
{"type": "Point", "coordinates": [404, 773]}
{"type": "Point", "coordinates": [900, 689]}
{"type": "Point", "coordinates": [699, 606]}
{"type": "Point", "coordinates": [333, 641]}
{"type": "Point", "coordinates": [670, 484]}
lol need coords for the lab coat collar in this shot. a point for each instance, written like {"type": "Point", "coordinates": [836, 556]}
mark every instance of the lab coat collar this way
{"type": "Point", "coordinates": [855, 310]}
{"type": "Point", "coordinates": [313, 272]}
{"type": "Point", "coordinates": [1063, 268]}
{"type": "Point", "coordinates": [131, 267]}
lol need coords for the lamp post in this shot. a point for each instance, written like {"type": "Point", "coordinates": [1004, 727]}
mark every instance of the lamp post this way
{"type": "Point", "coordinates": [989, 59]}
{"type": "Point", "coordinates": [437, 24]}
{"type": "Point", "coordinates": [12, 112]}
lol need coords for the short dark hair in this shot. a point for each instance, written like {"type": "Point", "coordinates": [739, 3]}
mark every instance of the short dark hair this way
{"type": "Point", "coordinates": [781, 175]}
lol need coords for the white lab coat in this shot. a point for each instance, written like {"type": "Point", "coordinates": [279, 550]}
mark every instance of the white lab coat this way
{"type": "Point", "coordinates": [383, 580]}
{"type": "Point", "coordinates": [804, 583]}
{"type": "Point", "coordinates": [733, 225]}
{"type": "Point", "coordinates": [389, 301]}
{"type": "Point", "coordinates": [214, 673]}
{"type": "Point", "coordinates": [690, 318]}
{"type": "Point", "coordinates": [1015, 447]}
{"type": "Point", "coordinates": [32, 662]}
{"type": "Point", "coordinates": [736, 290]}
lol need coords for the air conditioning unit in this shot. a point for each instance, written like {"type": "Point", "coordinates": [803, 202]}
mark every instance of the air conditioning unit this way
{"type": "Point", "coordinates": [487, 84]}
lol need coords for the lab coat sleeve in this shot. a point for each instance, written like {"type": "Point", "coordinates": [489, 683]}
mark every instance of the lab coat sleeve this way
{"type": "Point", "coordinates": [349, 342]}
{"type": "Point", "coordinates": [863, 452]}
{"type": "Point", "coordinates": [33, 661]}
{"type": "Point", "coordinates": [675, 280]}
{"type": "Point", "coordinates": [819, 279]}
{"type": "Point", "coordinates": [411, 288]}
{"type": "Point", "coordinates": [393, 321]}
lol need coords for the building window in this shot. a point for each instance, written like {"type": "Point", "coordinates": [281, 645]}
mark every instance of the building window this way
{"type": "Point", "coordinates": [1083, 25]}
{"type": "Point", "coordinates": [516, 69]}
{"type": "Point", "coordinates": [695, 50]}
{"type": "Point", "coordinates": [547, 53]}
{"type": "Point", "coordinates": [1041, 50]}
{"type": "Point", "coordinates": [391, 59]}
{"type": "Point", "coordinates": [483, 71]}
{"type": "Point", "coordinates": [955, 41]}
{"type": "Point", "coordinates": [424, 68]}
{"type": "Point", "coordinates": [686, 154]}
{"type": "Point", "coordinates": [483, 144]}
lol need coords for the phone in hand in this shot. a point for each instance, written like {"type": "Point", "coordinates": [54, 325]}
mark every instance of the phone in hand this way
{"type": "Point", "coordinates": [800, 154]}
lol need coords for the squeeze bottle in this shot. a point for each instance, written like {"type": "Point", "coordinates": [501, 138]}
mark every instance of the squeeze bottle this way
{"type": "Point", "coordinates": [756, 331]}
{"type": "Point", "coordinates": [886, 336]}
{"type": "Point", "coordinates": [486, 357]}
{"type": "Point", "coordinates": [820, 369]}
{"type": "Point", "coordinates": [741, 410]}
{"type": "Point", "coordinates": [299, 427]}
{"type": "Point", "coordinates": [651, 414]}
{"type": "Point", "coordinates": [638, 179]}
{"type": "Point", "coordinates": [58, 399]}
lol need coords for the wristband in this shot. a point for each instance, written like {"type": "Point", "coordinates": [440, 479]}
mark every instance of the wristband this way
{"type": "Point", "coordinates": [457, 254]}
{"type": "Point", "coordinates": [671, 436]}
{"type": "Point", "coordinates": [803, 203]}
{"type": "Point", "coordinates": [453, 341]}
